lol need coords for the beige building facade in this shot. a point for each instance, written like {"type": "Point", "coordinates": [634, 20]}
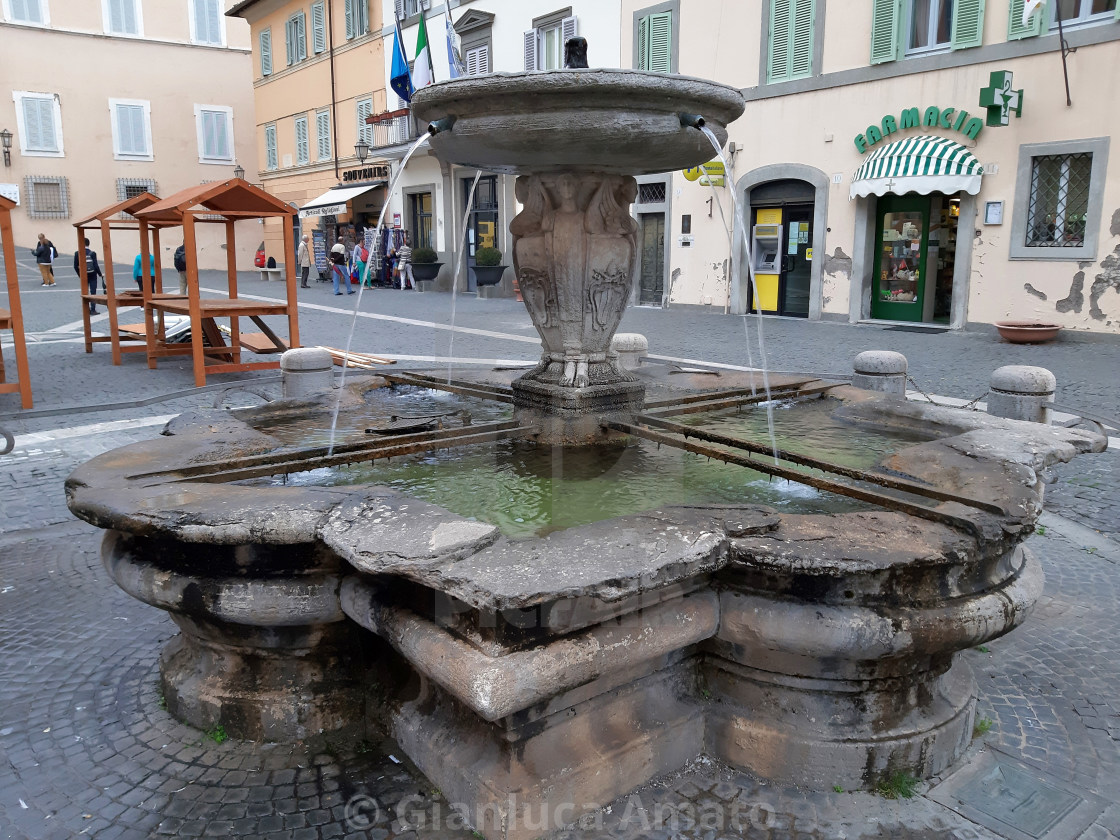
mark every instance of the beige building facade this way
{"type": "Point", "coordinates": [874, 182]}
{"type": "Point", "coordinates": [107, 99]}
{"type": "Point", "coordinates": [317, 74]}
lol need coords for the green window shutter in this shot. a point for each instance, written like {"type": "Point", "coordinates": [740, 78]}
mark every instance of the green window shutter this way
{"type": "Point", "coordinates": [643, 44]}
{"type": "Point", "coordinates": [659, 43]}
{"type": "Point", "coordinates": [1015, 28]}
{"type": "Point", "coordinates": [801, 44]}
{"type": "Point", "coordinates": [266, 52]}
{"type": "Point", "coordinates": [968, 24]}
{"type": "Point", "coordinates": [884, 30]}
{"type": "Point", "coordinates": [778, 63]}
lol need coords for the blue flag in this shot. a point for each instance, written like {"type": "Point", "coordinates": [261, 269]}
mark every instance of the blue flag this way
{"type": "Point", "coordinates": [454, 60]}
{"type": "Point", "coordinates": [400, 80]}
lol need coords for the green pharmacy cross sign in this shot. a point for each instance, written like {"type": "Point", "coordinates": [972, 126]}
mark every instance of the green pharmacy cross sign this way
{"type": "Point", "coordinates": [1000, 99]}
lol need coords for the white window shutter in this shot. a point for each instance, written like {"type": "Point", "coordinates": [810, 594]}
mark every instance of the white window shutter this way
{"type": "Point", "coordinates": [213, 22]}
{"type": "Point", "coordinates": [130, 23]}
{"type": "Point", "coordinates": [200, 20]}
{"type": "Point", "coordinates": [569, 28]}
{"type": "Point", "coordinates": [301, 37]}
{"type": "Point", "coordinates": [289, 43]}
{"type": "Point", "coordinates": [483, 60]}
{"type": "Point", "coordinates": [399, 9]}
{"type": "Point", "coordinates": [221, 135]}
{"type": "Point", "coordinates": [116, 15]}
{"type": "Point", "coordinates": [318, 28]}
{"type": "Point", "coordinates": [32, 125]}
{"type": "Point", "coordinates": [531, 50]}
{"type": "Point", "coordinates": [351, 24]}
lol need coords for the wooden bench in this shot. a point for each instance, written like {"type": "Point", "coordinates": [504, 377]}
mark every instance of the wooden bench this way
{"type": "Point", "coordinates": [266, 273]}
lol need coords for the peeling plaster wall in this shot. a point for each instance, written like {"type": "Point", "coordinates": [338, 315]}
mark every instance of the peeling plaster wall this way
{"type": "Point", "coordinates": [817, 127]}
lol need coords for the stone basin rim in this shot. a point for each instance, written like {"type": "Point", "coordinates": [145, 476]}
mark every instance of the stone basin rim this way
{"type": "Point", "coordinates": [630, 84]}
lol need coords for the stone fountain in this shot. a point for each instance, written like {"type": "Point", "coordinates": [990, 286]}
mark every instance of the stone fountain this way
{"type": "Point", "coordinates": [576, 139]}
{"type": "Point", "coordinates": [535, 679]}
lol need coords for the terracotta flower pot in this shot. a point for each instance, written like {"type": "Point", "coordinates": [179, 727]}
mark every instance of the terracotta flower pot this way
{"type": "Point", "coordinates": [1027, 332]}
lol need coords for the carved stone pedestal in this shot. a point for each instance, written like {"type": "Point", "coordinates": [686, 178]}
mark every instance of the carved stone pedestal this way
{"type": "Point", "coordinates": [574, 250]}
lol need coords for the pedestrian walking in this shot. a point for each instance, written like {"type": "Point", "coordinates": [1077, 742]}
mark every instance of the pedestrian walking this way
{"type": "Point", "coordinates": [339, 270]}
{"type": "Point", "coordinates": [358, 258]}
{"type": "Point", "coordinates": [181, 267]}
{"type": "Point", "coordinates": [93, 271]}
{"type": "Point", "coordinates": [138, 273]}
{"type": "Point", "coordinates": [404, 264]}
{"type": "Point", "coordinates": [303, 259]}
{"type": "Point", "coordinates": [44, 257]}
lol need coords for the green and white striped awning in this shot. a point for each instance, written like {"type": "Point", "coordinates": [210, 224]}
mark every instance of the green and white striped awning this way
{"type": "Point", "coordinates": [918, 165]}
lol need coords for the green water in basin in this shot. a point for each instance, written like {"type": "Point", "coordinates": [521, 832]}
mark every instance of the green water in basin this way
{"type": "Point", "coordinates": [530, 490]}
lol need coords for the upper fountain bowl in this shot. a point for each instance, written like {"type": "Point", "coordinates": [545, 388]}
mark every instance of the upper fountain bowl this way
{"type": "Point", "coordinates": [626, 122]}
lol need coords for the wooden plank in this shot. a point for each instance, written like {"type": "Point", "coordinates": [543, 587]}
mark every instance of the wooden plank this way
{"type": "Point", "coordinates": [261, 343]}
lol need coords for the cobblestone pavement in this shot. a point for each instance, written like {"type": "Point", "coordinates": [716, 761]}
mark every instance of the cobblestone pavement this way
{"type": "Point", "coordinates": [86, 750]}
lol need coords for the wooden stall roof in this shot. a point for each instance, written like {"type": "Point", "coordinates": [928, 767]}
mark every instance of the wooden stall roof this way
{"type": "Point", "coordinates": [235, 199]}
{"type": "Point", "coordinates": [129, 205]}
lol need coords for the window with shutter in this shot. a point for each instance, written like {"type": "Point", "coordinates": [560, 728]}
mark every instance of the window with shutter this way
{"type": "Point", "coordinates": [365, 130]}
{"type": "Point", "coordinates": [318, 28]}
{"type": "Point", "coordinates": [323, 134]}
{"type": "Point", "coordinates": [266, 52]}
{"type": "Point", "coordinates": [271, 161]}
{"type": "Point", "coordinates": [296, 38]}
{"type": "Point", "coordinates": [27, 11]}
{"type": "Point", "coordinates": [40, 127]}
{"type": "Point", "coordinates": [363, 16]}
{"type": "Point", "coordinates": [531, 50]}
{"type": "Point", "coordinates": [303, 144]}
{"type": "Point", "coordinates": [215, 133]}
{"type": "Point", "coordinates": [791, 40]}
{"type": "Point", "coordinates": [968, 24]}
{"type": "Point", "coordinates": [351, 24]}
{"type": "Point", "coordinates": [1015, 28]}
{"type": "Point", "coordinates": [884, 30]}
{"type": "Point", "coordinates": [656, 42]}
{"type": "Point", "coordinates": [289, 43]}
{"type": "Point", "coordinates": [478, 61]}
{"type": "Point", "coordinates": [207, 20]}
{"type": "Point", "coordinates": [123, 17]}
{"type": "Point", "coordinates": [130, 126]}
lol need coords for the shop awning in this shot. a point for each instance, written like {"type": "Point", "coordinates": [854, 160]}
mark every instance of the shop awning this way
{"type": "Point", "coordinates": [334, 200]}
{"type": "Point", "coordinates": [918, 165]}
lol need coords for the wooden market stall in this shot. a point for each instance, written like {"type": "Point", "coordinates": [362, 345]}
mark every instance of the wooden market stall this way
{"type": "Point", "coordinates": [128, 338]}
{"type": "Point", "coordinates": [12, 317]}
{"type": "Point", "coordinates": [220, 202]}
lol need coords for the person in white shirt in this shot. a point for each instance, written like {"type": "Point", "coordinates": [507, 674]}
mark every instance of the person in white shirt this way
{"type": "Point", "coordinates": [303, 260]}
{"type": "Point", "coordinates": [404, 263]}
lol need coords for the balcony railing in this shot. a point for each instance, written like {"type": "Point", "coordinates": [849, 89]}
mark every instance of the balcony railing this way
{"type": "Point", "coordinates": [393, 131]}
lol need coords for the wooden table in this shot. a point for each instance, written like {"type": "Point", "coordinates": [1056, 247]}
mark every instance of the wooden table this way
{"type": "Point", "coordinates": [210, 359]}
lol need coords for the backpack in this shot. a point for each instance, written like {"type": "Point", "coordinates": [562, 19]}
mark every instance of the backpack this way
{"type": "Point", "coordinates": [181, 258]}
{"type": "Point", "coordinates": [365, 254]}
{"type": "Point", "coordinates": [91, 263]}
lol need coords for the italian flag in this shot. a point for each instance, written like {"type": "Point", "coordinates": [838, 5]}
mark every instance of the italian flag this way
{"type": "Point", "coordinates": [422, 70]}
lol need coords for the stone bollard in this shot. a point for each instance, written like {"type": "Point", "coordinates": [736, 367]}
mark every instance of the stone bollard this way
{"type": "Point", "coordinates": [1022, 392]}
{"type": "Point", "coordinates": [880, 370]}
{"type": "Point", "coordinates": [630, 347]}
{"type": "Point", "coordinates": [306, 370]}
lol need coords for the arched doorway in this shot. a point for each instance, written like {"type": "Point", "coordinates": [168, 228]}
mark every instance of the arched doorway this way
{"type": "Point", "coordinates": [786, 215]}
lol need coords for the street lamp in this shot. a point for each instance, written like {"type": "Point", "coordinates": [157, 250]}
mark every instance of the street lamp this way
{"type": "Point", "coordinates": [361, 149]}
{"type": "Point", "coordinates": [6, 140]}
{"type": "Point", "coordinates": [239, 171]}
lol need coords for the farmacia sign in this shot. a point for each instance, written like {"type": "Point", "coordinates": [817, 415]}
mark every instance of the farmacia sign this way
{"type": "Point", "coordinates": [931, 117]}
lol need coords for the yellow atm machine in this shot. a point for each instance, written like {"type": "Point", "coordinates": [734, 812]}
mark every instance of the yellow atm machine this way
{"type": "Point", "coordinates": [766, 253]}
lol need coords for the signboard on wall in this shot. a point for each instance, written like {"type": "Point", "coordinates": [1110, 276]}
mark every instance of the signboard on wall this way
{"type": "Point", "coordinates": [10, 191]}
{"type": "Point", "coordinates": [711, 173]}
{"type": "Point", "coordinates": [319, 249]}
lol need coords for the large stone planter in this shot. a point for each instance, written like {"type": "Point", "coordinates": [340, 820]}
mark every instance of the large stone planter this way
{"type": "Point", "coordinates": [426, 271]}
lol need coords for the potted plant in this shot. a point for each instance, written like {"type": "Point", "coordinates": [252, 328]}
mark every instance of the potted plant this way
{"type": "Point", "coordinates": [424, 265]}
{"type": "Point", "coordinates": [488, 269]}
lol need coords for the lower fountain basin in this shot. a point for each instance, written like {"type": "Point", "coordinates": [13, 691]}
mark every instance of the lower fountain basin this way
{"type": "Point", "coordinates": [573, 666]}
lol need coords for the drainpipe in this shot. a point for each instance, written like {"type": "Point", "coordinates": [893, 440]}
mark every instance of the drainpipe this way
{"type": "Point", "coordinates": [334, 106]}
